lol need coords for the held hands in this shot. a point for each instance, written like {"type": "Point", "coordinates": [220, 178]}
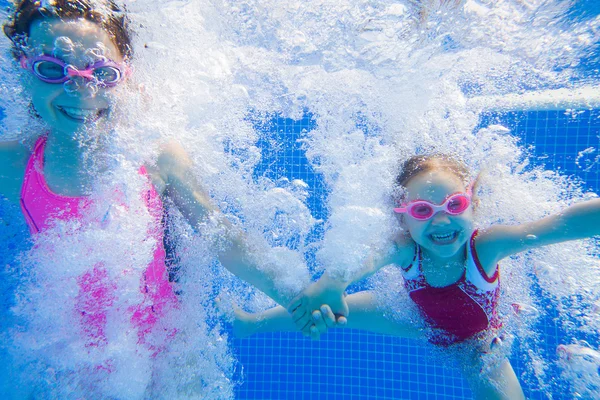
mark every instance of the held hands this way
{"type": "Point", "coordinates": [320, 307]}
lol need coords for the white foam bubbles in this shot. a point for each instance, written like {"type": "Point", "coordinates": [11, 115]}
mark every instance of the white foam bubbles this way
{"type": "Point", "coordinates": [581, 365]}
{"type": "Point", "coordinates": [383, 81]}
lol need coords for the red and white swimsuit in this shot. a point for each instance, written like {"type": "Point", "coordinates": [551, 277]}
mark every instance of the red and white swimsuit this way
{"type": "Point", "coordinates": [461, 310]}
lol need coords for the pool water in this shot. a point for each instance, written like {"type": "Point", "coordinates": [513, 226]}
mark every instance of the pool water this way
{"type": "Point", "coordinates": [360, 365]}
{"type": "Point", "coordinates": [353, 364]}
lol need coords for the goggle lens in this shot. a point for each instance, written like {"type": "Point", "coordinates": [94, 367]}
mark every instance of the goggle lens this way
{"type": "Point", "coordinates": [107, 75]}
{"type": "Point", "coordinates": [49, 71]}
{"type": "Point", "coordinates": [421, 211]}
{"type": "Point", "coordinates": [457, 204]}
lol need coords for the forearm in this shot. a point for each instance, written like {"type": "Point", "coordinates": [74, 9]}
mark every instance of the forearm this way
{"type": "Point", "coordinates": [369, 315]}
{"type": "Point", "coordinates": [174, 169]}
{"type": "Point", "coordinates": [275, 319]}
{"type": "Point", "coordinates": [247, 264]}
{"type": "Point", "coordinates": [340, 280]}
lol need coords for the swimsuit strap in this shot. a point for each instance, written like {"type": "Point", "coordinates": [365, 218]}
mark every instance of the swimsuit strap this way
{"type": "Point", "coordinates": [472, 274]}
{"type": "Point", "coordinates": [413, 275]}
{"type": "Point", "coordinates": [475, 273]}
{"type": "Point", "coordinates": [38, 203]}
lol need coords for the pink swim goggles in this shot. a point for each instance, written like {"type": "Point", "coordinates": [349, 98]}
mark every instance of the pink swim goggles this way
{"type": "Point", "coordinates": [104, 73]}
{"type": "Point", "coordinates": [423, 210]}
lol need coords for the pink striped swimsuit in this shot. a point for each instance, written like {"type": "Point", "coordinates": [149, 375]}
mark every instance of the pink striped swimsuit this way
{"type": "Point", "coordinates": [96, 292]}
{"type": "Point", "coordinates": [461, 310]}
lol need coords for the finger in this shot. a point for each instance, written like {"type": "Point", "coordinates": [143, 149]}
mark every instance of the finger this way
{"type": "Point", "coordinates": [316, 315]}
{"type": "Point", "coordinates": [306, 331]}
{"type": "Point", "coordinates": [298, 314]}
{"type": "Point", "coordinates": [295, 304]}
{"type": "Point", "coordinates": [327, 316]}
{"type": "Point", "coordinates": [319, 322]}
{"type": "Point", "coordinates": [314, 333]}
{"type": "Point", "coordinates": [304, 326]}
{"type": "Point", "coordinates": [342, 321]}
{"type": "Point", "coordinates": [303, 322]}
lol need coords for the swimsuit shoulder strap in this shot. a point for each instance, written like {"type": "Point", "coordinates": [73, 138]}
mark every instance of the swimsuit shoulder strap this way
{"type": "Point", "coordinates": [31, 183]}
{"type": "Point", "coordinates": [38, 203]}
{"type": "Point", "coordinates": [474, 270]}
{"type": "Point", "coordinates": [413, 270]}
{"type": "Point", "coordinates": [33, 172]}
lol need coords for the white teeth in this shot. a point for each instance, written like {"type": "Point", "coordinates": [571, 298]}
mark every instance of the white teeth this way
{"type": "Point", "coordinates": [443, 237]}
{"type": "Point", "coordinates": [79, 113]}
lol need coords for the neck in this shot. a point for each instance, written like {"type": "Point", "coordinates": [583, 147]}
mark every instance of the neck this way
{"type": "Point", "coordinates": [456, 258]}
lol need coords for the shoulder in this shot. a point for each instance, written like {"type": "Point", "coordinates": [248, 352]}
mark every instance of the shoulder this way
{"type": "Point", "coordinates": [14, 156]}
{"type": "Point", "coordinates": [172, 163]}
{"type": "Point", "coordinates": [172, 156]}
{"type": "Point", "coordinates": [492, 244]}
{"type": "Point", "coordinates": [8, 149]}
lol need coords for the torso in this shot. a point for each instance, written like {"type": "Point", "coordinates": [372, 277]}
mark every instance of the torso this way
{"type": "Point", "coordinates": [463, 308]}
{"type": "Point", "coordinates": [41, 207]}
{"type": "Point", "coordinates": [14, 158]}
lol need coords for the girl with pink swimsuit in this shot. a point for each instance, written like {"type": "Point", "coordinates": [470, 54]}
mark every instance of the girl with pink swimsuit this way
{"type": "Point", "coordinates": [450, 272]}
{"type": "Point", "coordinates": [72, 56]}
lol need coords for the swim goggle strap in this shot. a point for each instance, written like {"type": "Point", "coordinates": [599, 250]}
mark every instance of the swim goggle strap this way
{"type": "Point", "coordinates": [49, 69]}
{"type": "Point", "coordinates": [423, 210]}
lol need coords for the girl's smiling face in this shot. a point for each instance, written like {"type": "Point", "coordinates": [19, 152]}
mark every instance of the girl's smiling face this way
{"type": "Point", "coordinates": [68, 107]}
{"type": "Point", "coordinates": [443, 235]}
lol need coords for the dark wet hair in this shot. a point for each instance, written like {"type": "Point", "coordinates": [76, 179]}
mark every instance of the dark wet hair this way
{"type": "Point", "coordinates": [427, 162]}
{"type": "Point", "coordinates": [111, 18]}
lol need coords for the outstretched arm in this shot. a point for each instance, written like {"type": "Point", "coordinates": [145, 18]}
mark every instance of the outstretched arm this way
{"type": "Point", "coordinates": [576, 222]}
{"type": "Point", "coordinates": [367, 314]}
{"type": "Point", "coordinates": [176, 180]}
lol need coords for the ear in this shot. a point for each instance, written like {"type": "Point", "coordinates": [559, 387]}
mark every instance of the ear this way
{"type": "Point", "coordinates": [401, 219]}
{"type": "Point", "coordinates": [476, 182]}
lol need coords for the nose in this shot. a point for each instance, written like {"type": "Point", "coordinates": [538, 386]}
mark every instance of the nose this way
{"type": "Point", "coordinates": [80, 86]}
{"type": "Point", "coordinates": [440, 218]}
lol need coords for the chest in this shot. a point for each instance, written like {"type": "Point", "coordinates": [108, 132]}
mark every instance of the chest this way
{"type": "Point", "coordinates": [442, 275]}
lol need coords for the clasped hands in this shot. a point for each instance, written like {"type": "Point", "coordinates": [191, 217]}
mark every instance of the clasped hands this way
{"type": "Point", "coordinates": [320, 307]}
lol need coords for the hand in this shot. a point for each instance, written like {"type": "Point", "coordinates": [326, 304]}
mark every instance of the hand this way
{"type": "Point", "coordinates": [324, 319]}
{"type": "Point", "coordinates": [320, 307]}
